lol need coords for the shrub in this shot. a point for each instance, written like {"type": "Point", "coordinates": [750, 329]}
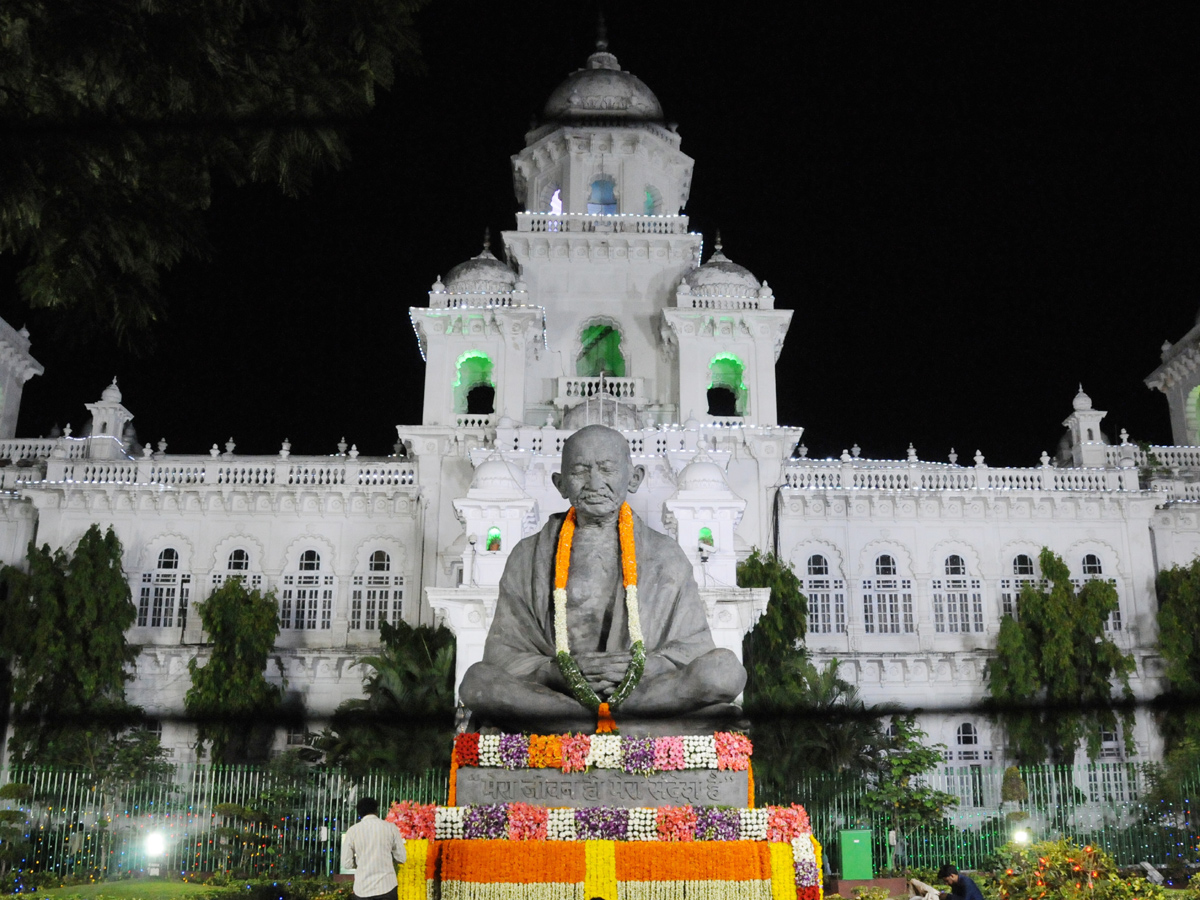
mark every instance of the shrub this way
{"type": "Point", "coordinates": [871, 893]}
{"type": "Point", "coordinates": [1062, 870]}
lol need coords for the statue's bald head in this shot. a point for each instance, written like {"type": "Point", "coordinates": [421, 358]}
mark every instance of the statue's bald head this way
{"type": "Point", "coordinates": [597, 472]}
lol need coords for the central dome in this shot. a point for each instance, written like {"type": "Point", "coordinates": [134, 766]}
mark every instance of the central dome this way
{"type": "Point", "coordinates": [602, 91]}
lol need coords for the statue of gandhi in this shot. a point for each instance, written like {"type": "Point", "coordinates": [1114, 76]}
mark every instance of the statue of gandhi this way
{"type": "Point", "coordinates": [519, 679]}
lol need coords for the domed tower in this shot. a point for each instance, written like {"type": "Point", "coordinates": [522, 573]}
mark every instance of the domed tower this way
{"type": "Point", "coordinates": [602, 244]}
{"type": "Point", "coordinates": [727, 336]}
{"type": "Point", "coordinates": [476, 336]}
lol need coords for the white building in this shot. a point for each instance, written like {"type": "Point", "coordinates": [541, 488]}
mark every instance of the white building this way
{"type": "Point", "coordinates": [602, 311]}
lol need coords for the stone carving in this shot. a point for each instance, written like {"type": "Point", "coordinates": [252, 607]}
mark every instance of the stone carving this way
{"type": "Point", "coordinates": [519, 684]}
{"type": "Point", "coordinates": [601, 787]}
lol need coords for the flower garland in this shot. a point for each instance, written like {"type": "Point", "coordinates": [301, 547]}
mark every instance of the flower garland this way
{"type": "Point", "coordinates": [669, 824]}
{"type": "Point", "coordinates": [727, 751]}
{"type": "Point", "coordinates": [579, 686]}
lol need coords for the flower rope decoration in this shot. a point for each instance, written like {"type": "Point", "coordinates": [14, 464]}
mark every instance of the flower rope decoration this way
{"type": "Point", "coordinates": [579, 686]}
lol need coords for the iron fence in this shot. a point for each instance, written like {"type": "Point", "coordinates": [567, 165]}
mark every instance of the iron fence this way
{"type": "Point", "coordinates": [258, 821]}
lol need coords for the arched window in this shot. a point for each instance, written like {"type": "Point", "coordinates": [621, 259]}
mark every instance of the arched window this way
{"type": "Point", "coordinates": [377, 595]}
{"type": "Point", "coordinates": [967, 735]}
{"type": "Point", "coordinates": [887, 600]}
{"type": "Point", "coordinates": [474, 370]}
{"type": "Point", "coordinates": [603, 200]}
{"type": "Point", "coordinates": [237, 565]}
{"type": "Point", "coordinates": [493, 539]}
{"type": "Point", "coordinates": [653, 201]}
{"type": "Point", "coordinates": [727, 393]}
{"type": "Point", "coordinates": [1110, 778]}
{"type": "Point", "coordinates": [967, 781]}
{"type": "Point", "coordinates": [600, 351]}
{"type": "Point", "coordinates": [1010, 588]}
{"type": "Point", "coordinates": [826, 597]}
{"type": "Point", "coordinates": [306, 602]}
{"type": "Point", "coordinates": [1093, 570]}
{"type": "Point", "coordinates": [163, 598]}
{"type": "Point", "coordinates": [706, 537]}
{"type": "Point", "coordinates": [957, 599]}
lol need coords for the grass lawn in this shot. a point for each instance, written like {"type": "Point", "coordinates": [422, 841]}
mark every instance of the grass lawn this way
{"type": "Point", "coordinates": [141, 889]}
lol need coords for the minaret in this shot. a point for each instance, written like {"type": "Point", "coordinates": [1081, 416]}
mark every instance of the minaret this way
{"type": "Point", "coordinates": [109, 419]}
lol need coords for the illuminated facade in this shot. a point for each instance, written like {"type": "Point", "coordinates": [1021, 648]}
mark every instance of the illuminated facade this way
{"type": "Point", "coordinates": [604, 307]}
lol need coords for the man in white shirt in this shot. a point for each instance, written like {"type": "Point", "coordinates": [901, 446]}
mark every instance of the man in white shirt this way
{"type": "Point", "coordinates": [372, 847]}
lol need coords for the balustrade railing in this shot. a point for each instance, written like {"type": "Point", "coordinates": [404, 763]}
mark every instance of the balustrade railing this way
{"type": "Point", "coordinates": [446, 300]}
{"type": "Point", "coordinates": [590, 223]}
{"type": "Point", "coordinates": [196, 471]}
{"type": "Point", "coordinates": [574, 389]}
{"type": "Point", "coordinates": [718, 302]}
{"type": "Point", "coordinates": [896, 475]}
{"type": "Point", "coordinates": [1165, 455]}
{"type": "Point", "coordinates": [41, 448]}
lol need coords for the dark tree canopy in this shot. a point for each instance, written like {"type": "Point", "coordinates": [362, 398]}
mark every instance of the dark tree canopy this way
{"type": "Point", "coordinates": [230, 691]}
{"type": "Point", "coordinates": [406, 721]}
{"type": "Point", "coordinates": [117, 119]}
{"type": "Point", "coordinates": [1054, 670]}
{"type": "Point", "coordinates": [64, 637]}
{"type": "Point", "coordinates": [1178, 591]}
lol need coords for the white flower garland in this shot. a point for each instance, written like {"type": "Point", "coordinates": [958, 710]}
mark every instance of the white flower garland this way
{"type": "Point", "coordinates": [489, 750]}
{"type": "Point", "coordinates": [802, 849]}
{"type": "Point", "coordinates": [752, 824]}
{"type": "Point", "coordinates": [448, 822]}
{"type": "Point", "coordinates": [604, 751]}
{"type": "Point", "coordinates": [643, 824]}
{"type": "Point", "coordinates": [560, 824]}
{"type": "Point", "coordinates": [699, 751]}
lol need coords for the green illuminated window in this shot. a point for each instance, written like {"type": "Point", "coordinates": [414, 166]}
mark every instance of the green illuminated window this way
{"type": "Point", "coordinates": [706, 536]}
{"type": "Point", "coordinates": [600, 351]}
{"type": "Point", "coordinates": [727, 393]}
{"type": "Point", "coordinates": [493, 538]}
{"type": "Point", "coordinates": [474, 384]}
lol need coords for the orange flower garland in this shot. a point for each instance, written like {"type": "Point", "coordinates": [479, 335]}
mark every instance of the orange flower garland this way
{"type": "Point", "coordinates": [579, 686]}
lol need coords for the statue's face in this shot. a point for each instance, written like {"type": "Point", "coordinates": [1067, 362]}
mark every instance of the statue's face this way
{"type": "Point", "coordinates": [597, 472]}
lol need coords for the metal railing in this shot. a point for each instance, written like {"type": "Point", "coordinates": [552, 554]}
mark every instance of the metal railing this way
{"type": "Point", "coordinates": [258, 821]}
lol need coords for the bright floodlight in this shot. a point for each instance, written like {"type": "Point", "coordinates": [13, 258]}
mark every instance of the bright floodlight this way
{"type": "Point", "coordinates": [156, 844]}
{"type": "Point", "coordinates": [1021, 836]}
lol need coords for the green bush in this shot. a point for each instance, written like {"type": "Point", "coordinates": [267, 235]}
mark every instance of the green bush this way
{"type": "Point", "coordinates": [281, 889]}
{"type": "Point", "coordinates": [1062, 870]}
{"type": "Point", "coordinates": [871, 893]}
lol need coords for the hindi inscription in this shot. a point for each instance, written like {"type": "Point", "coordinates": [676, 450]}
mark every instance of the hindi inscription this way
{"type": "Point", "coordinates": [602, 787]}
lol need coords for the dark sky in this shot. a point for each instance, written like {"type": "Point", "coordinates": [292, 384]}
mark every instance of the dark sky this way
{"type": "Point", "coordinates": [970, 212]}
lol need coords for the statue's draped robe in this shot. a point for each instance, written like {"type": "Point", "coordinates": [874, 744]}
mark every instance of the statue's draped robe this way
{"type": "Point", "coordinates": [674, 623]}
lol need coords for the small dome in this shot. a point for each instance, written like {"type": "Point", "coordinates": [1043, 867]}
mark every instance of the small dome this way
{"type": "Point", "coordinates": [602, 90]}
{"type": "Point", "coordinates": [494, 474]}
{"type": "Point", "coordinates": [112, 394]}
{"type": "Point", "coordinates": [1082, 401]}
{"type": "Point", "coordinates": [702, 474]}
{"type": "Point", "coordinates": [482, 274]}
{"type": "Point", "coordinates": [721, 277]}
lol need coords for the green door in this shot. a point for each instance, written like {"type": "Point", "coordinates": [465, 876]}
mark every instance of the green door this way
{"type": "Point", "coordinates": [856, 854]}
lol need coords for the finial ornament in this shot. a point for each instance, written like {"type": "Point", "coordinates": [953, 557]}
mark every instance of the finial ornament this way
{"type": "Point", "coordinates": [717, 243]}
{"type": "Point", "coordinates": [601, 32]}
{"type": "Point", "coordinates": [487, 239]}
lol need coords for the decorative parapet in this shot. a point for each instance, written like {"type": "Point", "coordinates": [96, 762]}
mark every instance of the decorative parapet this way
{"type": "Point", "coordinates": [598, 224]}
{"type": "Point", "coordinates": [250, 471]}
{"type": "Point", "coordinates": [577, 389]}
{"type": "Point", "coordinates": [43, 448]}
{"type": "Point", "coordinates": [724, 296]}
{"type": "Point", "coordinates": [899, 475]}
{"type": "Point", "coordinates": [1166, 455]}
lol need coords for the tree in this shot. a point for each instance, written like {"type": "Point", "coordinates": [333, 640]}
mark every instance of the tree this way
{"type": "Point", "coordinates": [899, 792]}
{"type": "Point", "coordinates": [406, 720]}
{"type": "Point", "coordinates": [1053, 675]}
{"type": "Point", "coordinates": [805, 720]}
{"type": "Point", "coordinates": [118, 118]}
{"type": "Point", "coordinates": [64, 632]}
{"type": "Point", "coordinates": [230, 694]}
{"type": "Point", "coordinates": [1178, 591]}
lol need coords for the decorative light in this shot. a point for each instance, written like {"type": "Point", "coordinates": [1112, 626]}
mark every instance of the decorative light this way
{"type": "Point", "coordinates": [1020, 836]}
{"type": "Point", "coordinates": [156, 844]}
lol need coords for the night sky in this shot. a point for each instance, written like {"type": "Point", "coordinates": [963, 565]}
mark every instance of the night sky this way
{"type": "Point", "coordinates": [969, 211]}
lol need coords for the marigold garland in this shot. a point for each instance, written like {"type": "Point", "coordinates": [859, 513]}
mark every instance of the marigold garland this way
{"type": "Point", "coordinates": [579, 686]}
